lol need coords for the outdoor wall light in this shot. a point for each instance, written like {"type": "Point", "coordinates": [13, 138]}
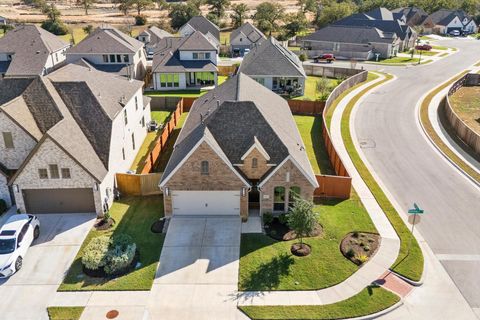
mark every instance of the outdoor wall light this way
{"type": "Point", "coordinates": [95, 187]}
{"type": "Point", "coordinates": [244, 192]}
{"type": "Point", "coordinates": [15, 188]}
{"type": "Point", "coordinates": [167, 191]}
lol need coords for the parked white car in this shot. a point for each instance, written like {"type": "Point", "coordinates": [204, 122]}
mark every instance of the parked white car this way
{"type": "Point", "coordinates": [16, 236]}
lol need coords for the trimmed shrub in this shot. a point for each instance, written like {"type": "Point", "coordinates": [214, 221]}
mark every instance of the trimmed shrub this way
{"type": "Point", "coordinates": [283, 218]}
{"type": "Point", "coordinates": [350, 253]}
{"type": "Point", "coordinates": [140, 20]}
{"type": "Point", "coordinates": [120, 258]}
{"type": "Point", "coordinates": [3, 206]}
{"type": "Point", "coordinates": [303, 57]}
{"type": "Point", "coordinates": [94, 256]}
{"type": "Point", "coordinates": [267, 218]}
{"type": "Point", "coordinates": [57, 28]}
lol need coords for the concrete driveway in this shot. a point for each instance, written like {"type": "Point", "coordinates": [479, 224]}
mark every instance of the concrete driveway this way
{"type": "Point", "coordinates": [198, 271]}
{"type": "Point", "coordinates": [26, 294]}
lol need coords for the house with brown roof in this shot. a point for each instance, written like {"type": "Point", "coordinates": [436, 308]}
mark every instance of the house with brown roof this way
{"type": "Point", "coordinates": [185, 63]}
{"type": "Point", "coordinates": [238, 150]}
{"type": "Point", "coordinates": [29, 51]}
{"type": "Point", "coordinates": [65, 136]}
{"type": "Point", "coordinates": [110, 50]}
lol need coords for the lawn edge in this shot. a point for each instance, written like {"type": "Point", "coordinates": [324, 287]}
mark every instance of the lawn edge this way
{"type": "Point", "coordinates": [65, 308]}
{"type": "Point", "coordinates": [378, 193]}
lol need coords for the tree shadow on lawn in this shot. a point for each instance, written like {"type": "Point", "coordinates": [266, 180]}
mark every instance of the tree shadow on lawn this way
{"type": "Point", "coordinates": [136, 222]}
{"type": "Point", "coordinates": [319, 149]}
{"type": "Point", "coordinates": [268, 274]}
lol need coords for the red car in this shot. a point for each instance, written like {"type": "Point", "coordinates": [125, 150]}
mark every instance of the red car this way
{"type": "Point", "coordinates": [328, 57]}
{"type": "Point", "coordinates": [423, 47]}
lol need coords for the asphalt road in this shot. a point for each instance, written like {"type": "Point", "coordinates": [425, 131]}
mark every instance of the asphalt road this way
{"type": "Point", "coordinates": [414, 172]}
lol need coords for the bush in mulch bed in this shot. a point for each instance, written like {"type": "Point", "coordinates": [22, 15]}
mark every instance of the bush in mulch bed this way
{"type": "Point", "coordinates": [105, 222]}
{"type": "Point", "coordinates": [109, 257]}
{"type": "Point", "coordinates": [157, 226]}
{"type": "Point", "coordinates": [279, 230]}
{"type": "Point", "coordinates": [359, 247]}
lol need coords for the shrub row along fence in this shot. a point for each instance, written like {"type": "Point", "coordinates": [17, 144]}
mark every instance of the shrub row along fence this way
{"type": "Point", "coordinates": [460, 128]}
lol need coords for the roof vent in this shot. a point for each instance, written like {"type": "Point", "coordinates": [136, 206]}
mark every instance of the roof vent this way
{"type": "Point", "coordinates": [123, 100]}
{"type": "Point", "coordinates": [218, 103]}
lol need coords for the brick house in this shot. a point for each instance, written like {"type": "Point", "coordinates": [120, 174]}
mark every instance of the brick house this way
{"type": "Point", "coordinates": [110, 50]}
{"type": "Point", "coordinates": [4, 192]}
{"type": "Point", "coordinates": [29, 51]}
{"type": "Point", "coordinates": [238, 150]}
{"type": "Point", "coordinates": [65, 136]}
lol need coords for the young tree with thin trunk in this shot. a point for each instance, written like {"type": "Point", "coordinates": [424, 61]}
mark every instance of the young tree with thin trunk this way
{"type": "Point", "coordinates": [86, 4]}
{"type": "Point", "coordinates": [218, 7]}
{"type": "Point", "coordinates": [302, 219]}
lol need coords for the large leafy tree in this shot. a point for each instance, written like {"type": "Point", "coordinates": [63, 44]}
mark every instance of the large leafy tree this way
{"type": "Point", "coordinates": [218, 7]}
{"type": "Point", "coordinates": [268, 16]}
{"type": "Point", "coordinates": [295, 23]}
{"type": "Point", "coordinates": [334, 11]}
{"type": "Point", "coordinates": [239, 14]}
{"type": "Point", "coordinates": [141, 5]}
{"type": "Point", "coordinates": [180, 13]}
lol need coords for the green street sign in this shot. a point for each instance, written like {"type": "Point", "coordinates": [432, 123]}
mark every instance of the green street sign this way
{"type": "Point", "coordinates": [416, 210]}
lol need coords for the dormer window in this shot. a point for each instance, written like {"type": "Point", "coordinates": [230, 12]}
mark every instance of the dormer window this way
{"type": "Point", "coordinates": [201, 55]}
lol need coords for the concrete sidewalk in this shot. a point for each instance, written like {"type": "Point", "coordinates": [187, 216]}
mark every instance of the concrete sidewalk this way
{"type": "Point", "coordinates": [371, 271]}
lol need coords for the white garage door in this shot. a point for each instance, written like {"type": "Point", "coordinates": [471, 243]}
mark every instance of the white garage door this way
{"type": "Point", "coordinates": [206, 202]}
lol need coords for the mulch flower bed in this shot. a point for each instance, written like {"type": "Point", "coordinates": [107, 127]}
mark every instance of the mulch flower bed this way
{"type": "Point", "coordinates": [358, 247]}
{"type": "Point", "coordinates": [100, 273]}
{"type": "Point", "coordinates": [102, 224]}
{"type": "Point", "coordinates": [300, 250]}
{"type": "Point", "coordinates": [281, 232]}
{"type": "Point", "coordinates": [157, 226]}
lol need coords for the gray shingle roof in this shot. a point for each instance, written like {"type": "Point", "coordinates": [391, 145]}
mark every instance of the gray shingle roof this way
{"type": "Point", "coordinates": [389, 26]}
{"type": "Point", "coordinates": [156, 34]}
{"type": "Point", "coordinates": [249, 31]}
{"type": "Point", "coordinates": [380, 14]}
{"type": "Point", "coordinates": [444, 16]}
{"type": "Point", "coordinates": [31, 47]}
{"type": "Point", "coordinates": [350, 34]}
{"type": "Point", "coordinates": [269, 58]}
{"type": "Point", "coordinates": [106, 40]}
{"type": "Point", "coordinates": [235, 114]}
{"type": "Point", "coordinates": [167, 56]}
{"type": "Point", "coordinates": [202, 24]}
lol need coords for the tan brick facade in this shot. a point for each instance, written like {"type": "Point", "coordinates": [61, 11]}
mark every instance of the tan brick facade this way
{"type": "Point", "coordinates": [220, 177]}
{"type": "Point", "coordinates": [249, 170]}
{"type": "Point", "coordinates": [287, 176]}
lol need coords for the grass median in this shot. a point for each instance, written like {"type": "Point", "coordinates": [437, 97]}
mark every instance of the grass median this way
{"type": "Point", "coordinates": [409, 263]}
{"type": "Point", "coordinates": [65, 313]}
{"type": "Point", "coordinates": [427, 125]}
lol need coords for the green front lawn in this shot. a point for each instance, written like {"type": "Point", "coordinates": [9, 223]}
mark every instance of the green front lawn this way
{"type": "Point", "coordinates": [426, 53]}
{"type": "Point", "coordinates": [440, 48]}
{"type": "Point", "coordinates": [311, 92]}
{"type": "Point", "coordinates": [310, 128]}
{"type": "Point", "coordinates": [65, 313]}
{"type": "Point", "coordinates": [398, 60]}
{"type": "Point", "coordinates": [134, 216]}
{"type": "Point", "coordinates": [370, 300]}
{"type": "Point", "coordinates": [266, 264]}
{"type": "Point", "coordinates": [149, 142]}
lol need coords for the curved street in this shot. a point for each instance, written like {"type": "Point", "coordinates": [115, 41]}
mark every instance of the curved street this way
{"type": "Point", "coordinates": [413, 171]}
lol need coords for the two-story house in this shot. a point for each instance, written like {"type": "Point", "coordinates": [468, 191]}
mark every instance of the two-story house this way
{"type": "Point", "coordinates": [239, 149]}
{"type": "Point", "coordinates": [444, 21]}
{"type": "Point", "coordinates": [110, 50]}
{"type": "Point", "coordinates": [66, 135]}
{"type": "Point", "coordinates": [275, 67]}
{"type": "Point", "coordinates": [29, 51]}
{"type": "Point", "coordinates": [205, 26]}
{"type": "Point", "coordinates": [151, 37]}
{"type": "Point", "coordinates": [243, 38]}
{"type": "Point", "coordinates": [185, 63]}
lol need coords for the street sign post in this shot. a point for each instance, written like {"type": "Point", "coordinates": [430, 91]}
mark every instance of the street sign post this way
{"type": "Point", "coordinates": [414, 212]}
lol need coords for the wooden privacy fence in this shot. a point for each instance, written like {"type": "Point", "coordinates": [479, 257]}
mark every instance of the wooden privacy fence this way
{"type": "Point", "coordinates": [306, 107]}
{"type": "Point", "coordinates": [226, 70]}
{"type": "Point", "coordinates": [333, 186]}
{"type": "Point", "coordinates": [138, 184]}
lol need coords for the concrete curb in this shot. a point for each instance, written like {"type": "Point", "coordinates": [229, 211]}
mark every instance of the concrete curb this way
{"type": "Point", "coordinates": [409, 281]}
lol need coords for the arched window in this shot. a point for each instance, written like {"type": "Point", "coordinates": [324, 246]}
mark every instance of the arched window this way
{"type": "Point", "coordinates": [254, 163]}
{"type": "Point", "coordinates": [204, 168]}
{"type": "Point", "coordinates": [279, 199]}
{"type": "Point", "coordinates": [293, 193]}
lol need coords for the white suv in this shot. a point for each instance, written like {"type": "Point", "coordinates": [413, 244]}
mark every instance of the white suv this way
{"type": "Point", "coordinates": [16, 236]}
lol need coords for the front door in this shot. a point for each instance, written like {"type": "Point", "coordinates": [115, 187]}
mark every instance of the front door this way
{"type": "Point", "coordinates": [254, 198]}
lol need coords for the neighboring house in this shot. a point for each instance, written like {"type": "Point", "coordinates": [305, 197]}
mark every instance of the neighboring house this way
{"type": "Point", "coordinates": [151, 37]}
{"type": "Point", "coordinates": [350, 42]}
{"type": "Point", "coordinates": [274, 66]}
{"type": "Point", "coordinates": [110, 50]}
{"type": "Point", "coordinates": [244, 37]}
{"type": "Point", "coordinates": [239, 149]}
{"type": "Point", "coordinates": [444, 21]}
{"type": "Point", "coordinates": [29, 51]}
{"type": "Point", "coordinates": [205, 26]}
{"type": "Point", "coordinates": [4, 192]}
{"type": "Point", "coordinates": [185, 63]}
{"type": "Point", "coordinates": [67, 134]}
{"type": "Point", "coordinates": [3, 20]}
{"type": "Point", "coordinates": [414, 16]}
{"type": "Point", "coordinates": [385, 21]}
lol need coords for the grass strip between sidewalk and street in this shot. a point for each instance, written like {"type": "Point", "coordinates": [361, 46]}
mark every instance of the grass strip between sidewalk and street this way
{"type": "Point", "coordinates": [427, 125]}
{"type": "Point", "coordinates": [370, 300]}
{"type": "Point", "coordinates": [409, 262]}
{"type": "Point", "coordinates": [65, 313]}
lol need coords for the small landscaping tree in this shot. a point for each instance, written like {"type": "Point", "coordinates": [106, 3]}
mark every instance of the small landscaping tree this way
{"type": "Point", "coordinates": [302, 219]}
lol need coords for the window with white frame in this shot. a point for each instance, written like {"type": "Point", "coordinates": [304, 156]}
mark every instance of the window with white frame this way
{"type": "Point", "coordinates": [169, 80]}
{"type": "Point", "coordinates": [201, 56]}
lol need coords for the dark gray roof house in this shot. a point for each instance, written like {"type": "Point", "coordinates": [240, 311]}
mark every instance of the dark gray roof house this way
{"type": "Point", "coordinates": [151, 37]}
{"type": "Point", "coordinates": [249, 31]}
{"type": "Point", "coordinates": [29, 50]}
{"type": "Point", "coordinates": [414, 16]}
{"type": "Point", "coordinates": [202, 24]}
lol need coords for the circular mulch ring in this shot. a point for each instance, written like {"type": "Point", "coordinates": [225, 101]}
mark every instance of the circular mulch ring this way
{"type": "Point", "coordinates": [157, 226]}
{"type": "Point", "coordinates": [104, 225]}
{"type": "Point", "coordinates": [300, 250]}
{"type": "Point", "coordinates": [359, 247]}
{"type": "Point", "coordinates": [112, 314]}
{"type": "Point", "coordinates": [100, 273]}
